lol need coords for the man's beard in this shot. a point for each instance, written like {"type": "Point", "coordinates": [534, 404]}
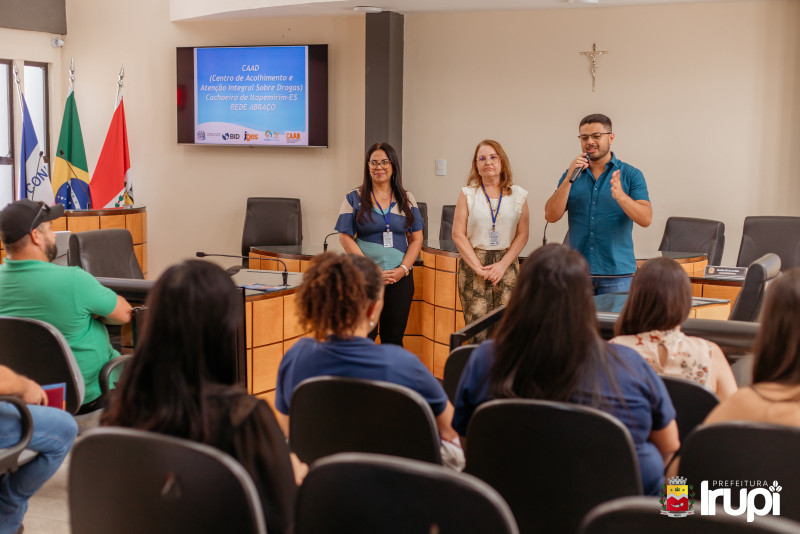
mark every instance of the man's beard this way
{"type": "Point", "coordinates": [51, 251]}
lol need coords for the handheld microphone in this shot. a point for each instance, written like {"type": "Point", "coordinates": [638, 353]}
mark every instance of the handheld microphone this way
{"type": "Point", "coordinates": [285, 272]}
{"type": "Point", "coordinates": [325, 242]}
{"type": "Point", "coordinates": [577, 172]}
{"type": "Point", "coordinates": [75, 203]}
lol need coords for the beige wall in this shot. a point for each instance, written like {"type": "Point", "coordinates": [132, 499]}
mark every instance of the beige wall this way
{"type": "Point", "coordinates": [705, 100]}
{"type": "Point", "coordinates": [196, 195]}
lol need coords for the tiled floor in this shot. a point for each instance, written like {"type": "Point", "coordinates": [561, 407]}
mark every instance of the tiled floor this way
{"type": "Point", "coordinates": [48, 511]}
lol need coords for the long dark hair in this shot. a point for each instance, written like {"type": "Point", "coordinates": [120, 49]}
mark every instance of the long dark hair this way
{"type": "Point", "coordinates": [660, 298]}
{"type": "Point", "coordinates": [188, 342]}
{"type": "Point", "coordinates": [547, 341]}
{"type": "Point", "coordinates": [336, 292]}
{"type": "Point", "coordinates": [403, 205]}
{"type": "Point", "coordinates": [777, 345]}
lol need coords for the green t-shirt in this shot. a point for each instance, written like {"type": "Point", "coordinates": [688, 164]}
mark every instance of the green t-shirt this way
{"type": "Point", "coordinates": [67, 298]}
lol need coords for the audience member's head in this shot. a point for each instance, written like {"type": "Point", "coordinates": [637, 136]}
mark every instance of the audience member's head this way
{"type": "Point", "coordinates": [25, 226]}
{"type": "Point", "coordinates": [339, 294]}
{"type": "Point", "coordinates": [548, 334]}
{"type": "Point", "coordinates": [777, 346]}
{"type": "Point", "coordinates": [660, 298]}
{"type": "Point", "coordinates": [188, 341]}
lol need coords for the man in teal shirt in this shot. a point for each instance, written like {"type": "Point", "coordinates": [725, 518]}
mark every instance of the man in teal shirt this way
{"type": "Point", "coordinates": [68, 298]}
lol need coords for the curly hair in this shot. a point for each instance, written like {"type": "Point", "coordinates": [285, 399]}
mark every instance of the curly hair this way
{"type": "Point", "coordinates": [335, 293]}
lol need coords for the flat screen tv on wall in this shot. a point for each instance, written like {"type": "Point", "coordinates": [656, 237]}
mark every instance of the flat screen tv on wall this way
{"type": "Point", "coordinates": [253, 96]}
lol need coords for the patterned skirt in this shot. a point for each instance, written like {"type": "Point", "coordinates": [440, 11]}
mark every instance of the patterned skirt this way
{"type": "Point", "coordinates": [479, 296]}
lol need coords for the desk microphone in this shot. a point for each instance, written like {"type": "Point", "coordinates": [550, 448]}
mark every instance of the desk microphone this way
{"type": "Point", "coordinates": [285, 270]}
{"type": "Point", "coordinates": [325, 243]}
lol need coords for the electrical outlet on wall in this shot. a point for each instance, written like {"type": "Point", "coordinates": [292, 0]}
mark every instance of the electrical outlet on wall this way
{"type": "Point", "coordinates": [441, 167]}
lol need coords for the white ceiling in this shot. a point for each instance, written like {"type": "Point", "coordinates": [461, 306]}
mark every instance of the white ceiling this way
{"type": "Point", "coordinates": [197, 9]}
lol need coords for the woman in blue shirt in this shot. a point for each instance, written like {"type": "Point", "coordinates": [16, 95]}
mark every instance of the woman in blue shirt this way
{"type": "Point", "coordinates": [380, 220]}
{"type": "Point", "coordinates": [547, 347]}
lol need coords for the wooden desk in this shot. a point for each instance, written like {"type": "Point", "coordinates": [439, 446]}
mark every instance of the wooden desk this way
{"type": "Point", "coordinates": [133, 219]}
{"type": "Point", "coordinates": [713, 288]}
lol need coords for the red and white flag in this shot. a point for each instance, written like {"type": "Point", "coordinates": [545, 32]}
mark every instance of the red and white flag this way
{"type": "Point", "coordinates": [111, 182]}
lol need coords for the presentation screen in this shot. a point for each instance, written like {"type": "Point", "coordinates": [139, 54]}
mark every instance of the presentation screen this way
{"type": "Point", "coordinates": [253, 96]}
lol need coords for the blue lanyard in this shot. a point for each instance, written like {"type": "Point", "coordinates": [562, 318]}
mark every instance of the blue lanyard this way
{"type": "Point", "coordinates": [385, 215]}
{"type": "Point", "coordinates": [488, 201]}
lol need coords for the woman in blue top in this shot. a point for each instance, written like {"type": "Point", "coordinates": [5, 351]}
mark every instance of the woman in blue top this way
{"type": "Point", "coordinates": [547, 347]}
{"type": "Point", "coordinates": [380, 220]}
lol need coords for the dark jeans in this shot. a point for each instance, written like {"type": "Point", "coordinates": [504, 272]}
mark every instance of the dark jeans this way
{"type": "Point", "coordinates": [611, 285]}
{"type": "Point", "coordinates": [397, 299]}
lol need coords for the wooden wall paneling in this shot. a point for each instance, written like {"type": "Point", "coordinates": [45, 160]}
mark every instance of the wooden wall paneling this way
{"type": "Point", "coordinates": [250, 369]}
{"type": "Point", "coordinates": [426, 354]}
{"type": "Point", "coordinates": [289, 342]}
{"type": "Point", "coordinates": [444, 294]}
{"type": "Point", "coordinates": [59, 225]}
{"type": "Point", "coordinates": [266, 361]}
{"type": "Point", "coordinates": [721, 292]}
{"type": "Point", "coordinates": [83, 224]}
{"type": "Point", "coordinates": [413, 344]}
{"type": "Point", "coordinates": [428, 284]}
{"type": "Point", "coordinates": [460, 323]}
{"type": "Point", "coordinates": [139, 250]}
{"type": "Point", "coordinates": [414, 325]}
{"type": "Point", "coordinates": [113, 221]}
{"type": "Point", "coordinates": [445, 324]}
{"type": "Point", "coordinates": [419, 283]}
{"type": "Point", "coordinates": [291, 322]}
{"type": "Point", "coordinates": [248, 325]}
{"type": "Point", "coordinates": [254, 262]}
{"type": "Point", "coordinates": [714, 311]}
{"type": "Point", "coordinates": [134, 222]}
{"type": "Point", "coordinates": [428, 260]}
{"type": "Point", "coordinates": [267, 321]}
{"type": "Point", "coordinates": [444, 263]}
{"type": "Point", "coordinates": [269, 398]}
{"type": "Point", "coordinates": [428, 320]}
{"type": "Point", "coordinates": [440, 354]}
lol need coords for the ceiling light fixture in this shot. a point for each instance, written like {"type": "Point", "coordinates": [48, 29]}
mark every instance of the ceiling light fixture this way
{"type": "Point", "coordinates": [367, 9]}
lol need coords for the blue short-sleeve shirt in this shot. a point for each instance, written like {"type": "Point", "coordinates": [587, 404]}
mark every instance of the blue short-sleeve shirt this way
{"type": "Point", "coordinates": [646, 407]}
{"type": "Point", "coordinates": [355, 357]}
{"type": "Point", "coordinates": [598, 227]}
{"type": "Point", "coordinates": [369, 234]}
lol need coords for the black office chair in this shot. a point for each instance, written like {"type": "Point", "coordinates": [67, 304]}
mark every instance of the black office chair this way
{"type": "Point", "coordinates": [780, 235]}
{"type": "Point", "coordinates": [39, 351]}
{"type": "Point", "coordinates": [746, 451]}
{"type": "Point", "coordinates": [551, 461]}
{"type": "Point", "coordinates": [687, 234]}
{"type": "Point", "coordinates": [423, 210]}
{"type": "Point", "coordinates": [107, 253]}
{"type": "Point", "coordinates": [693, 402]}
{"type": "Point", "coordinates": [759, 274]}
{"type": "Point", "coordinates": [271, 221]}
{"type": "Point", "coordinates": [640, 514]}
{"type": "Point", "coordinates": [130, 481]}
{"type": "Point", "coordinates": [11, 457]}
{"type": "Point", "coordinates": [369, 493]}
{"type": "Point", "coordinates": [332, 414]}
{"type": "Point", "coordinates": [446, 225]}
{"type": "Point", "coordinates": [453, 368]}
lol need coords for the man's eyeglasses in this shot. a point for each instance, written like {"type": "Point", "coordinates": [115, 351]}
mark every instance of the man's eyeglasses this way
{"type": "Point", "coordinates": [494, 158]}
{"type": "Point", "coordinates": [382, 163]}
{"type": "Point", "coordinates": [594, 136]}
{"type": "Point", "coordinates": [37, 220]}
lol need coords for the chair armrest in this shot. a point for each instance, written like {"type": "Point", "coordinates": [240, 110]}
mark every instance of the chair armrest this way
{"type": "Point", "coordinates": [9, 457]}
{"type": "Point", "coordinates": [107, 369]}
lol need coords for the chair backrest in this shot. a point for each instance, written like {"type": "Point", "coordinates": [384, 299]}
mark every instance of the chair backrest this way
{"type": "Point", "coordinates": [446, 225]}
{"type": "Point", "coordinates": [746, 451]}
{"type": "Point", "coordinates": [9, 456]}
{"type": "Point", "coordinates": [453, 368]}
{"type": "Point", "coordinates": [693, 402]}
{"type": "Point", "coordinates": [333, 414]}
{"type": "Point", "coordinates": [687, 234]}
{"type": "Point", "coordinates": [357, 492]}
{"type": "Point", "coordinates": [423, 210]}
{"type": "Point", "coordinates": [551, 461]}
{"type": "Point", "coordinates": [130, 481]}
{"type": "Point", "coordinates": [106, 253]}
{"type": "Point", "coordinates": [271, 221]}
{"type": "Point", "coordinates": [759, 274]}
{"type": "Point", "coordinates": [779, 235]}
{"type": "Point", "coordinates": [39, 351]}
{"type": "Point", "coordinates": [640, 514]}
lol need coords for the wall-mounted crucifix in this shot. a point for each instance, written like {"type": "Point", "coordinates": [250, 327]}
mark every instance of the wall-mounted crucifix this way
{"type": "Point", "coordinates": [594, 55]}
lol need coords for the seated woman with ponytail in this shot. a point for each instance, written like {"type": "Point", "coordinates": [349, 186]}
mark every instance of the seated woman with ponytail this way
{"type": "Point", "coordinates": [340, 301]}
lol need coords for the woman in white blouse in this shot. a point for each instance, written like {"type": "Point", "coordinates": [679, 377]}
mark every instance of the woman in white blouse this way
{"type": "Point", "coordinates": [490, 228]}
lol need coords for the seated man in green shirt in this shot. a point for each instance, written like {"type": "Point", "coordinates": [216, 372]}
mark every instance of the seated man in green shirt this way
{"type": "Point", "coordinates": [68, 298]}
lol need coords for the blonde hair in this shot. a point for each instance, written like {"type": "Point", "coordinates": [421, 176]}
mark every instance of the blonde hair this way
{"type": "Point", "coordinates": [474, 179]}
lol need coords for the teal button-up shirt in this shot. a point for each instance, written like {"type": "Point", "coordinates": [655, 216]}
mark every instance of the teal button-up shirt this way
{"type": "Point", "coordinates": [598, 227]}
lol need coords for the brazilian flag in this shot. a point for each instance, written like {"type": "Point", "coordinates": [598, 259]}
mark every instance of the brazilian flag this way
{"type": "Point", "coordinates": [70, 172]}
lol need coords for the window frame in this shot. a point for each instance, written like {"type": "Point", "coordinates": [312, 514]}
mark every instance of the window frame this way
{"type": "Point", "coordinates": [46, 107]}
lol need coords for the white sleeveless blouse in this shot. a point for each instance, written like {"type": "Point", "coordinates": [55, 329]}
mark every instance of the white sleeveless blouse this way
{"type": "Point", "coordinates": [479, 218]}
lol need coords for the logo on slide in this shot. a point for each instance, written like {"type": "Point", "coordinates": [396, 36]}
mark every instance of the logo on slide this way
{"type": "Point", "coordinates": [227, 136]}
{"type": "Point", "coordinates": [250, 136]}
{"type": "Point", "coordinates": [201, 135]}
{"type": "Point", "coordinates": [677, 498]}
{"type": "Point", "coordinates": [272, 135]}
{"type": "Point", "coordinates": [292, 137]}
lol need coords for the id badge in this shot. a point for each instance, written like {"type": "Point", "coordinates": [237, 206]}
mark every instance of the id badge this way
{"type": "Point", "coordinates": [494, 238]}
{"type": "Point", "coordinates": [388, 240]}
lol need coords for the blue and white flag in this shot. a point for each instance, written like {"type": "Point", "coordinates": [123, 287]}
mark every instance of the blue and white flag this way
{"type": "Point", "coordinates": [34, 179]}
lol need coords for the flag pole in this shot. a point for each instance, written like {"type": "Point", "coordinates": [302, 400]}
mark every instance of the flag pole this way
{"type": "Point", "coordinates": [119, 83]}
{"type": "Point", "coordinates": [19, 86]}
{"type": "Point", "coordinates": [72, 75]}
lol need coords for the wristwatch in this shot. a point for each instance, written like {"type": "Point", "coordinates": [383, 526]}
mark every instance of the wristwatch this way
{"type": "Point", "coordinates": [406, 269]}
